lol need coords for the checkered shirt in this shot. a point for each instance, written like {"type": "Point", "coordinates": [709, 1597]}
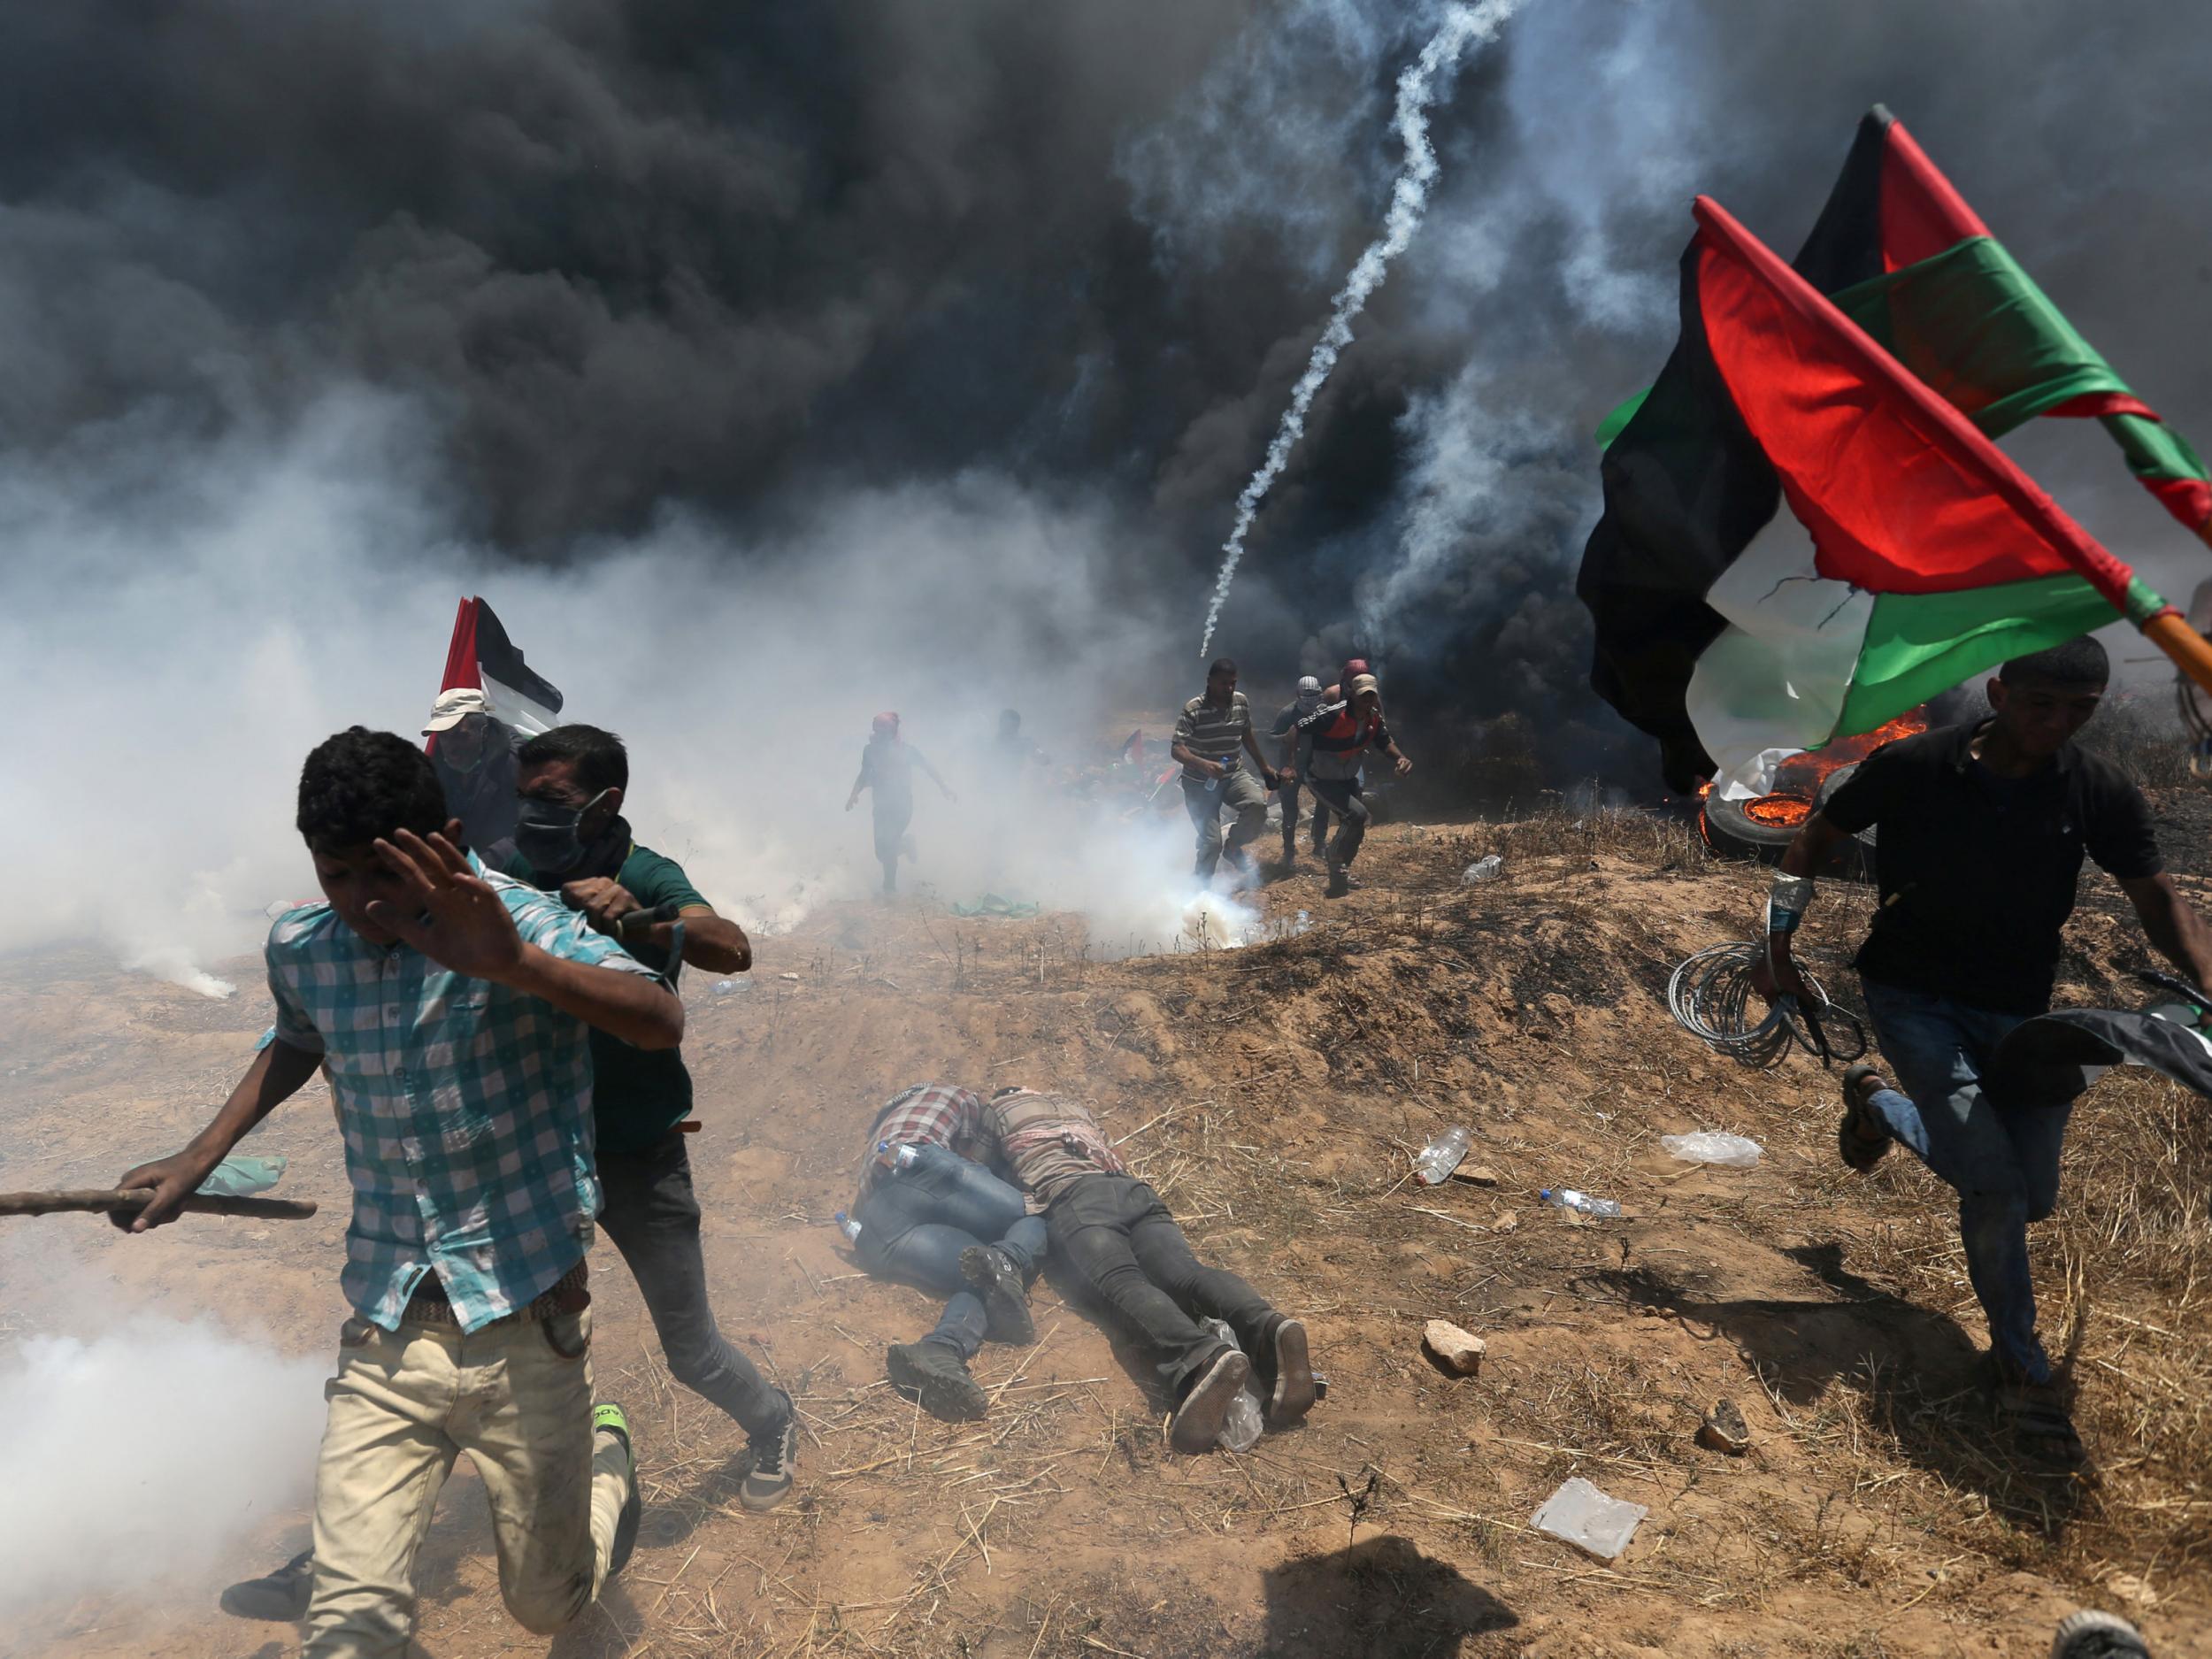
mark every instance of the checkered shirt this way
{"type": "Point", "coordinates": [927, 1114]}
{"type": "Point", "coordinates": [465, 1107]}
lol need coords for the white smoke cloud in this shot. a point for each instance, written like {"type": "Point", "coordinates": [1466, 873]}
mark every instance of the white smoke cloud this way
{"type": "Point", "coordinates": [139, 1456]}
{"type": "Point", "coordinates": [1418, 87]}
{"type": "Point", "coordinates": [180, 622]}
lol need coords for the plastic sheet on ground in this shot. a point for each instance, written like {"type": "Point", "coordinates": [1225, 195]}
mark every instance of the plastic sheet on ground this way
{"type": "Point", "coordinates": [1589, 1519]}
{"type": "Point", "coordinates": [994, 904]}
{"type": "Point", "coordinates": [241, 1177]}
{"type": "Point", "coordinates": [1710, 1146]}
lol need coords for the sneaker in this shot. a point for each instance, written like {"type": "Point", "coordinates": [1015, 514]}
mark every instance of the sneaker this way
{"type": "Point", "coordinates": [281, 1598]}
{"type": "Point", "coordinates": [775, 1457]}
{"type": "Point", "coordinates": [608, 1419]}
{"type": "Point", "coordinates": [1196, 1424]}
{"type": "Point", "coordinates": [1339, 882]}
{"type": "Point", "coordinates": [1292, 1396]}
{"type": "Point", "coordinates": [1005, 1298]}
{"type": "Point", "coordinates": [1862, 1137]}
{"type": "Point", "coordinates": [938, 1377]}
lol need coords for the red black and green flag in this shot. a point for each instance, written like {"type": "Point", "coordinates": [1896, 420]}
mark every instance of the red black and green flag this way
{"type": "Point", "coordinates": [1914, 554]}
{"type": "Point", "coordinates": [1901, 254]}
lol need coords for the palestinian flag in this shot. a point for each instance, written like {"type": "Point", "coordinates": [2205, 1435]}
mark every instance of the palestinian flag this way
{"type": "Point", "coordinates": [1913, 556]}
{"type": "Point", "coordinates": [1899, 251]}
{"type": "Point", "coordinates": [482, 656]}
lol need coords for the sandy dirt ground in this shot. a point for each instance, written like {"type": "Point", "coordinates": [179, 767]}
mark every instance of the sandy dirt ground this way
{"type": "Point", "coordinates": [1273, 1094]}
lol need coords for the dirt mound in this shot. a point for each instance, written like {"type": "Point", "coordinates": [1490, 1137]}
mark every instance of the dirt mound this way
{"type": "Point", "coordinates": [1274, 1095]}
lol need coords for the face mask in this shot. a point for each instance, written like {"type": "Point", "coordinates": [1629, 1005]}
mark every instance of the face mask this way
{"type": "Point", "coordinates": [546, 833]}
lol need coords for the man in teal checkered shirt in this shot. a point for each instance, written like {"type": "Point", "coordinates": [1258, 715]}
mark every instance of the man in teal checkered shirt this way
{"type": "Point", "coordinates": [451, 1007]}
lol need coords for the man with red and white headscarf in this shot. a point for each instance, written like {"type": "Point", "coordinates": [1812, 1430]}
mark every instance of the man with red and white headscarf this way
{"type": "Point", "coordinates": [886, 771]}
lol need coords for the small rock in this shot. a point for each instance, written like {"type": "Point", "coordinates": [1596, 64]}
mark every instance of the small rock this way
{"type": "Point", "coordinates": [792, 976]}
{"type": "Point", "coordinates": [1481, 1175]}
{"type": "Point", "coordinates": [1724, 1430]}
{"type": "Point", "coordinates": [1459, 1350]}
{"type": "Point", "coordinates": [1505, 1223]}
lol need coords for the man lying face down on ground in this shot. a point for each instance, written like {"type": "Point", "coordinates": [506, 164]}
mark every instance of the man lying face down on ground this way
{"type": "Point", "coordinates": [449, 1007]}
{"type": "Point", "coordinates": [929, 1216]}
{"type": "Point", "coordinates": [1113, 1235]}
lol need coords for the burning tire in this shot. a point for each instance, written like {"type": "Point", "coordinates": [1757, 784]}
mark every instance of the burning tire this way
{"type": "Point", "coordinates": [1764, 827]}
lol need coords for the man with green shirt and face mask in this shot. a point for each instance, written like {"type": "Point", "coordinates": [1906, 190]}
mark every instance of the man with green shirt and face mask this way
{"type": "Point", "coordinates": [572, 838]}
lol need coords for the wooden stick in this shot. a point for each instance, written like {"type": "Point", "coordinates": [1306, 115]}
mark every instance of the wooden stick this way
{"type": "Point", "coordinates": [137, 1198]}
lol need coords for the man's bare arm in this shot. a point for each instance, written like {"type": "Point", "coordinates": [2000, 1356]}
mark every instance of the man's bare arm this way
{"type": "Point", "coordinates": [711, 942]}
{"type": "Point", "coordinates": [640, 1011]}
{"type": "Point", "coordinates": [2172, 926]}
{"type": "Point", "coordinates": [276, 1074]}
{"type": "Point", "coordinates": [1812, 847]}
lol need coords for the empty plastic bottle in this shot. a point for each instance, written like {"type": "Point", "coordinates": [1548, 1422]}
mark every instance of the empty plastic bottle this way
{"type": "Point", "coordinates": [850, 1228]}
{"type": "Point", "coordinates": [726, 987]}
{"type": "Point", "coordinates": [901, 1158]}
{"type": "Point", "coordinates": [1241, 1429]}
{"type": "Point", "coordinates": [1488, 869]}
{"type": "Point", "coordinates": [1567, 1198]}
{"type": "Point", "coordinates": [1441, 1155]}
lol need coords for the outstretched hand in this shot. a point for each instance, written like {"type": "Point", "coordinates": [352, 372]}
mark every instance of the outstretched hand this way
{"type": "Point", "coordinates": [458, 920]}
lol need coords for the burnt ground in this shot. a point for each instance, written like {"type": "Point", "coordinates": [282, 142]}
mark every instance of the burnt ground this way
{"type": "Point", "coordinates": [1273, 1094]}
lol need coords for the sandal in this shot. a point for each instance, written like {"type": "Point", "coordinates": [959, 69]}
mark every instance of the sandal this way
{"type": "Point", "coordinates": [1862, 1137]}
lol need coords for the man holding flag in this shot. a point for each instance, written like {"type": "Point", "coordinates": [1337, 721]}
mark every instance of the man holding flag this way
{"type": "Point", "coordinates": [1983, 829]}
{"type": "Point", "coordinates": [1862, 388]}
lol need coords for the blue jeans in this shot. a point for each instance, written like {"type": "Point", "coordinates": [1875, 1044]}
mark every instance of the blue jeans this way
{"type": "Point", "coordinates": [2003, 1160]}
{"type": "Point", "coordinates": [915, 1223]}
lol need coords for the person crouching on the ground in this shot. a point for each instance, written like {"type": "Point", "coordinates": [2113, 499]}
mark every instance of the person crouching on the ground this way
{"type": "Point", "coordinates": [1338, 736]}
{"type": "Point", "coordinates": [451, 1006]}
{"type": "Point", "coordinates": [1292, 761]}
{"type": "Point", "coordinates": [937, 1220]}
{"type": "Point", "coordinates": [574, 839]}
{"type": "Point", "coordinates": [1212, 728]}
{"type": "Point", "coordinates": [886, 770]}
{"type": "Point", "coordinates": [1114, 1235]}
{"type": "Point", "coordinates": [1983, 828]}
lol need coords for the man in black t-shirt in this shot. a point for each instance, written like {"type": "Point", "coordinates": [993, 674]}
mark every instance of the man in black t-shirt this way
{"type": "Point", "coordinates": [1983, 829]}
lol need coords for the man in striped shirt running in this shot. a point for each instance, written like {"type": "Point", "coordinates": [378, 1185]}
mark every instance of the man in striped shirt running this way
{"type": "Point", "coordinates": [1213, 728]}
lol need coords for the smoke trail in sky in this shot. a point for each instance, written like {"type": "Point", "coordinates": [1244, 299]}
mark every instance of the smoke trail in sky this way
{"type": "Point", "coordinates": [1424, 80]}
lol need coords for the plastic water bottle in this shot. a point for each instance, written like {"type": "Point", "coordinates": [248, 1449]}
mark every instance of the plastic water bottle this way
{"type": "Point", "coordinates": [1487, 869]}
{"type": "Point", "coordinates": [1441, 1155]}
{"type": "Point", "coordinates": [728, 987]}
{"type": "Point", "coordinates": [1240, 1428]}
{"type": "Point", "coordinates": [901, 1158]}
{"type": "Point", "coordinates": [1567, 1198]}
{"type": "Point", "coordinates": [850, 1228]}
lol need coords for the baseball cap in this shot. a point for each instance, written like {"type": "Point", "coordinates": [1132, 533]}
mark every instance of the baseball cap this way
{"type": "Point", "coordinates": [454, 705]}
{"type": "Point", "coordinates": [1363, 682]}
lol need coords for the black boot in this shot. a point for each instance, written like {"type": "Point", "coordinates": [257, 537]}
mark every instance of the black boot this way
{"type": "Point", "coordinates": [938, 1377]}
{"type": "Point", "coordinates": [1005, 1298]}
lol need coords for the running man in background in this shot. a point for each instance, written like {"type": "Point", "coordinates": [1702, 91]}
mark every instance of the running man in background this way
{"type": "Point", "coordinates": [886, 771]}
{"type": "Point", "coordinates": [1116, 1236]}
{"type": "Point", "coordinates": [1337, 737]}
{"type": "Point", "coordinates": [450, 1007]}
{"type": "Point", "coordinates": [1983, 829]}
{"type": "Point", "coordinates": [475, 758]}
{"type": "Point", "coordinates": [1211, 730]}
{"type": "Point", "coordinates": [946, 1223]}
{"type": "Point", "coordinates": [1292, 760]}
